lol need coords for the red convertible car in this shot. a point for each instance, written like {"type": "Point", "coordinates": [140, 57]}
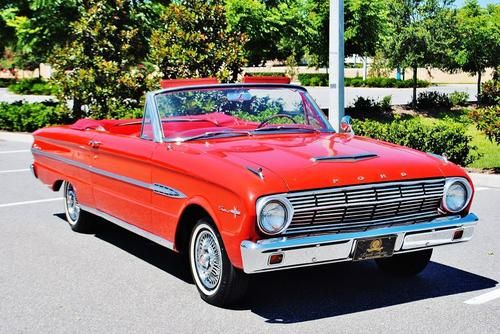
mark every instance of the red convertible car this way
{"type": "Point", "coordinates": [248, 178]}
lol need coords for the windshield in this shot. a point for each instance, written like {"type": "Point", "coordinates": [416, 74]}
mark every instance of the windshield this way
{"type": "Point", "coordinates": [238, 110]}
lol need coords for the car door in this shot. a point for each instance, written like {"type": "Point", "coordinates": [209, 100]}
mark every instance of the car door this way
{"type": "Point", "coordinates": [122, 177]}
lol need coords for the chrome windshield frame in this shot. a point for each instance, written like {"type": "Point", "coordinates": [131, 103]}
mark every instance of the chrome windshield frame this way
{"type": "Point", "coordinates": [151, 101]}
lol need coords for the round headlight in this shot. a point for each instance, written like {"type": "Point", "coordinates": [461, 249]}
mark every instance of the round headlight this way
{"type": "Point", "coordinates": [274, 215]}
{"type": "Point", "coordinates": [457, 193]}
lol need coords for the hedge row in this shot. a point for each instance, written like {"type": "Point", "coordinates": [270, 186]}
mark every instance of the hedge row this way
{"type": "Point", "coordinates": [320, 79]}
{"type": "Point", "coordinates": [265, 74]}
{"type": "Point", "coordinates": [5, 82]}
{"type": "Point", "coordinates": [441, 137]}
{"type": "Point", "coordinates": [28, 117]}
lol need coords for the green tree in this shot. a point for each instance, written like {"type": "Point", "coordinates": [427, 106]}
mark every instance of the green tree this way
{"type": "Point", "coordinates": [477, 45]}
{"type": "Point", "coordinates": [420, 34]}
{"type": "Point", "coordinates": [194, 41]}
{"type": "Point", "coordinates": [36, 27]}
{"type": "Point", "coordinates": [100, 67]}
{"type": "Point", "coordinates": [365, 26]}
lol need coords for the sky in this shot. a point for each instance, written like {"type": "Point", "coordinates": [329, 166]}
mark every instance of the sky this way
{"type": "Point", "coordinates": [483, 3]}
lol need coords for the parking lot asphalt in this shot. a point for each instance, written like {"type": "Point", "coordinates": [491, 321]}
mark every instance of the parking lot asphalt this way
{"type": "Point", "coordinates": [53, 280]}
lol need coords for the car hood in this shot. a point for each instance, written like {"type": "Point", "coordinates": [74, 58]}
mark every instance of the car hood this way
{"type": "Point", "coordinates": [314, 161]}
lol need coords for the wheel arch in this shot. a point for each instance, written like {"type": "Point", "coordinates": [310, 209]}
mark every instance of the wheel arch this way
{"type": "Point", "coordinates": [56, 186]}
{"type": "Point", "coordinates": [187, 220]}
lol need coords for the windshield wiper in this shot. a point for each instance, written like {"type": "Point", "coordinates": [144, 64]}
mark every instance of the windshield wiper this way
{"type": "Point", "coordinates": [284, 128]}
{"type": "Point", "coordinates": [211, 134]}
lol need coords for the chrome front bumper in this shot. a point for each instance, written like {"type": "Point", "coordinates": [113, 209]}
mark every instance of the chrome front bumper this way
{"type": "Point", "coordinates": [329, 248]}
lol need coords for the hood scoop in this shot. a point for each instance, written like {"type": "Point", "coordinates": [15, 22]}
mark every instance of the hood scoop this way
{"type": "Point", "coordinates": [346, 158]}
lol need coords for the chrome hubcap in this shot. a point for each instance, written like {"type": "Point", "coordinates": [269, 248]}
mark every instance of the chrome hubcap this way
{"type": "Point", "coordinates": [208, 259]}
{"type": "Point", "coordinates": [72, 203]}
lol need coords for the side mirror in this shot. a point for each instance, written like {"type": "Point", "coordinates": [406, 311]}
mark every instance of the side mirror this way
{"type": "Point", "coordinates": [346, 125]}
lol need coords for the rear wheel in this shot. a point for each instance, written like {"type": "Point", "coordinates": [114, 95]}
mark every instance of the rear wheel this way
{"type": "Point", "coordinates": [78, 220]}
{"type": "Point", "coordinates": [407, 264]}
{"type": "Point", "coordinates": [218, 282]}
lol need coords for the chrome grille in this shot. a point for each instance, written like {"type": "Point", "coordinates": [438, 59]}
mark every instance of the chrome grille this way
{"type": "Point", "coordinates": [362, 207]}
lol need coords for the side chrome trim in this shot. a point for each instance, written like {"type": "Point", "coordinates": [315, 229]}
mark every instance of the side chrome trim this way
{"type": "Point", "coordinates": [157, 188]}
{"type": "Point", "coordinates": [167, 191]}
{"type": "Point", "coordinates": [339, 247]}
{"type": "Point", "coordinates": [132, 228]}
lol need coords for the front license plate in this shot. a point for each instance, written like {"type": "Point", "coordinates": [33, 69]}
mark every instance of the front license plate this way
{"type": "Point", "coordinates": [374, 248]}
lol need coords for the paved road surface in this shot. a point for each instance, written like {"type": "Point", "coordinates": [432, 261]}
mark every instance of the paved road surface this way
{"type": "Point", "coordinates": [399, 95]}
{"type": "Point", "coordinates": [53, 280]}
{"type": "Point", "coordinates": [6, 96]}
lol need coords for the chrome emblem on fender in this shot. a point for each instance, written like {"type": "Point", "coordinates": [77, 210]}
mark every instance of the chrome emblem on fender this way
{"type": "Point", "coordinates": [403, 174]}
{"type": "Point", "coordinates": [234, 211]}
{"type": "Point", "coordinates": [383, 176]}
{"type": "Point", "coordinates": [335, 181]}
{"type": "Point", "coordinates": [361, 178]}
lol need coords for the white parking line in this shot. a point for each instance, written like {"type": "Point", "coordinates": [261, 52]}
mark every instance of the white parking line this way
{"type": "Point", "coordinates": [31, 202]}
{"type": "Point", "coordinates": [15, 151]}
{"type": "Point", "coordinates": [480, 188]}
{"type": "Point", "coordinates": [484, 298]}
{"type": "Point", "coordinates": [14, 171]}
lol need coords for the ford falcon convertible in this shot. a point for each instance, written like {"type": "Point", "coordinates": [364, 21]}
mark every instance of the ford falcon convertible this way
{"type": "Point", "coordinates": [247, 178]}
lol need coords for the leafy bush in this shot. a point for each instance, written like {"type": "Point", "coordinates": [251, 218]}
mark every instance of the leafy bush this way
{"type": "Point", "coordinates": [28, 117]}
{"type": "Point", "coordinates": [458, 98]}
{"type": "Point", "coordinates": [313, 79]}
{"type": "Point", "coordinates": [33, 86]}
{"type": "Point", "coordinates": [5, 82]}
{"type": "Point", "coordinates": [321, 79]}
{"type": "Point", "coordinates": [442, 137]}
{"type": "Point", "coordinates": [366, 105]}
{"type": "Point", "coordinates": [490, 93]}
{"type": "Point", "coordinates": [488, 120]}
{"type": "Point", "coordinates": [428, 100]}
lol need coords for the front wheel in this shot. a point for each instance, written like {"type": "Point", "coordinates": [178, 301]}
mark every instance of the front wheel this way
{"type": "Point", "coordinates": [78, 220]}
{"type": "Point", "coordinates": [218, 282]}
{"type": "Point", "coordinates": [407, 264]}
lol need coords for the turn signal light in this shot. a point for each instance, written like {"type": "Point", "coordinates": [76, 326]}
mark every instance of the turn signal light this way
{"type": "Point", "coordinates": [276, 258]}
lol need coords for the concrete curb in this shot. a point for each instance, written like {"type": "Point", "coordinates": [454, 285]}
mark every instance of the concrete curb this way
{"type": "Point", "coordinates": [485, 180]}
{"type": "Point", "coordinates": [18, 137]}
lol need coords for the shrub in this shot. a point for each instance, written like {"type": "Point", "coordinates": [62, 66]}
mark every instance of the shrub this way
{"type": "Point", "coordinates": [386, 103]}
{"type": "Point", "coordinates": [5, 82]}
{"type": "Point", "coordinates": [313, 79]}
{"type": "Point", "coordinates": [368, 105]}
{"type": "Point", "coordinates": [431, 99]}
{"type": "Point", "coordinates": [488, 120]}
{"type": "Point", "coordinates": [28, 117]}
{"type": "Point", "coordinates": [458, 98]}
{"type": "Point", "coordinates": [490, 93]}
{"type": "Point", "coordinates": [442, 137]}
{"type": "Point", "coordinates": [33, 86]}
{"type": "Point", "coordinates": [306, 79]}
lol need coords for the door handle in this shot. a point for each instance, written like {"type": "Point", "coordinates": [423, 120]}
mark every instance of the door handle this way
{"type": "Point", "coordinates": [94, 143]}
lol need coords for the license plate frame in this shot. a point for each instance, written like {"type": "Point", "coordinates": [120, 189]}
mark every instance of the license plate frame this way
{"type": "Point", "coordinates": [374, 248]}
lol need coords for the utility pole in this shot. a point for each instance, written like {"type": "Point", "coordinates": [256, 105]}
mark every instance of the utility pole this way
{"type": "Point", "coordinates": [336, 63]}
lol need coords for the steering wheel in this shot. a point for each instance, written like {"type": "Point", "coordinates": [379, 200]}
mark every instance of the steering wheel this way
{"type": "Point", "coordinates": [264, 122]}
